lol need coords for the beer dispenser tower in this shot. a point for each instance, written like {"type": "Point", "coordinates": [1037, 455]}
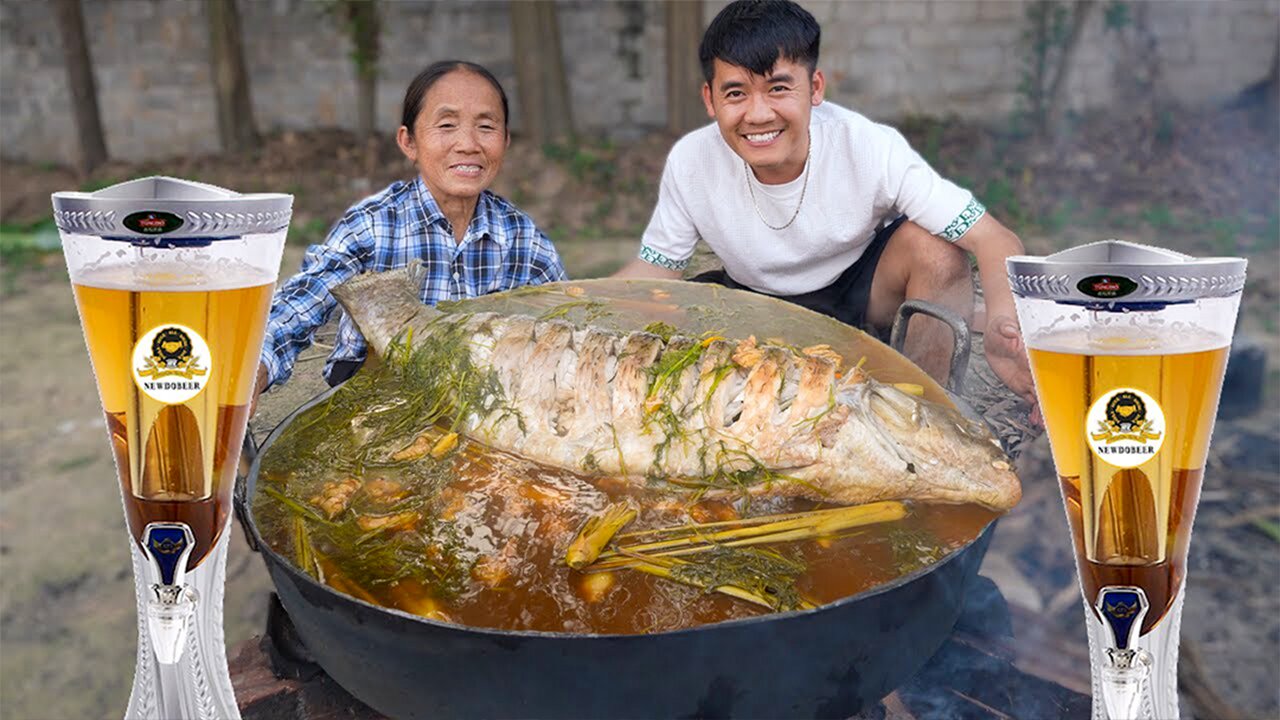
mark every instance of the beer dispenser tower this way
{"type": "Point", "coordinates": [162, 269]}
{"type": "Point", "coordinates": [1128, 345]}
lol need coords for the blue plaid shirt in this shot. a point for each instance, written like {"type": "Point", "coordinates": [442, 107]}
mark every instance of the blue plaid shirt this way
{"type": "Point", "coordinates": [502, 249]}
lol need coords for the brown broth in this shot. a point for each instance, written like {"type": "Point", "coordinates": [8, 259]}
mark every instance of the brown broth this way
{"type": "Point", "coordinates": [517, 518]}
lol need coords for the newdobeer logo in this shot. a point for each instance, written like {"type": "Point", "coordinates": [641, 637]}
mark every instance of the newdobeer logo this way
{"type": "Point", "coordinates": [171, 363]}
{"type": "Point", "coordinates": [1125, 427]}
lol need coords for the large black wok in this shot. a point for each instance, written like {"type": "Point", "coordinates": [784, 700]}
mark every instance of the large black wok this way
{"type": "Point", "coordinates": [828, 662]}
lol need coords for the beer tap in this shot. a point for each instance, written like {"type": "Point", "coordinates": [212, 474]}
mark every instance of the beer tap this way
{"type": "Point", "coordinates": [172, 601]}
{"type": "Point", "coordinates": [1124, 672]}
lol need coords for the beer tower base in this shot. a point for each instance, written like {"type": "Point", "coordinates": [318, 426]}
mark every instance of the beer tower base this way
{"type": "Point", "coordinates": [197, 686]}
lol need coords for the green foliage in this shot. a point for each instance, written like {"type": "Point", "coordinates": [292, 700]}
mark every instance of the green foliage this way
{"type": "Point", "coordinates": [1064, 215]}
{"type": "Point", "coordinates": [1224, 234]}
{"type": "Point", "coordinates": [1045, 41]}
{"type": "Point", "coordinates": [25, 247]}
{"type": "Point", "coordinates": [1271, 235]}
{"type": "Point", "coordinates": [1117, 16]}
{"type": "Point", "coordinates": [96, 184]}
{"type": "Point", "coordinates": [1163, 134]}
{"type": "Point", "coordinates": [928, 131]}
{"type": "Point", "coordinates": [1158, 216]}
{"type": "Point", "coordinates": [593, 163]}
{"type": "Point", "coordinates": [76, 463]}
{"type": "Point", "coordinates": [1000, 195]}
{"type": "Point", "coordinates": [1268, 527]}
{"type": "Point", "coordinates": [310, 232]}
{"type": "Point", "coordinates": [359, 18]}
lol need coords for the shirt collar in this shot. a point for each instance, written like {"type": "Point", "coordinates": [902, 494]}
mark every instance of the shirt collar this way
{"type": "Point", "coordinates": [430, 213]}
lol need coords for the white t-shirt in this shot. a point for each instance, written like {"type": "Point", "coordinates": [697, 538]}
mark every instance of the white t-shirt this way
{"type": "Point", "coordinates": [863, 175]}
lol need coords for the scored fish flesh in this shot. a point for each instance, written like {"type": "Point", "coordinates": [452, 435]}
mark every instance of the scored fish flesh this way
{"type": "Point", "coordinates": [773, 419]}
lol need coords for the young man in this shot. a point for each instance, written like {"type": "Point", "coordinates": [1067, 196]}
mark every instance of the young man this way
{"type": "Point", "coordinates": [816, 204]}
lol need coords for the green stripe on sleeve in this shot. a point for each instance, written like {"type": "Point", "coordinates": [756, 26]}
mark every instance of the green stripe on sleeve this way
{"type": "Point", "coordinates": [653, 257]}
{"type": "Point", "coordinates": [965, 220]}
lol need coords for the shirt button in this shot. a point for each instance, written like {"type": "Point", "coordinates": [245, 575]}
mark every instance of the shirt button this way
{"type": "Point", "coordinates": [456, 276]}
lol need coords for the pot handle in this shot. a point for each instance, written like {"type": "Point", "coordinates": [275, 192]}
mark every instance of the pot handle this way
{"type": "Point", "coordinates": [240, 493]}
{"type": "Point", "coordinates": [959, 330]}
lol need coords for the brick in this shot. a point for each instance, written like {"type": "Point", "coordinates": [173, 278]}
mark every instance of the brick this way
{"type": "Point", "coordinates": [924, 36]}
{"type": "Point", "coordinates": [915, 11]}
{"type": "Point", "coordinates": [885, 36]}
{"type": "Point", "coordinates": [862, 13]}
{"type": "Point", "coordinates": [978, 58]}
{"type": "Point", "coordinates": [1002, 10]}
{"type": "Point", "coordinates": [953, 11]}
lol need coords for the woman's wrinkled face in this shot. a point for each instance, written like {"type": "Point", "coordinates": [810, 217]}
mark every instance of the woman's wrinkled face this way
{"type": "Point", "coordinates": [459, 137]}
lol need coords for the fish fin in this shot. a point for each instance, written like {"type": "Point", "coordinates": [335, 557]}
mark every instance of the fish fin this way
{"type": "Point", "coordinates": [385, 304]}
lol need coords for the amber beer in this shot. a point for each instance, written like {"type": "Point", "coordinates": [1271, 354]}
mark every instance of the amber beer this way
{"type": "Point", "coordinates": [176, 462]}
{"type": "Point", "coordinates": [1131, 525]}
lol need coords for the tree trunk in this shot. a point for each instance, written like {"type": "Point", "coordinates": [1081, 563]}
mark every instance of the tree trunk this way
{"type": "Point", "coordinates": [365, 27]}
{"type": "Point", "coordinates": [236, 128]}
{"type": "Point", "coordinates": [84, 91]}
{"type": "Point", "coordinates": [1054, 110]}
{"type": "Point", "coordinates": [684, 72]}
{"type": "Point", "coordinates": [545, 111]}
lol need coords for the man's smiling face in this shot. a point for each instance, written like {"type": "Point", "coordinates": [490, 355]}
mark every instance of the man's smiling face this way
{"type": "Point", "coordinates": [765, 118]}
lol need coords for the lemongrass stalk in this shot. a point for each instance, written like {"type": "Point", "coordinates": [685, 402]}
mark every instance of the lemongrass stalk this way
{"type": "Point", "coordinates": [302, 550]}
{"type": "Point", "coordinates": [596, 534]}
{"type": "Point", "coordinates": [691, 528]}
{"type": "Point", "coordinates": [814, 524]}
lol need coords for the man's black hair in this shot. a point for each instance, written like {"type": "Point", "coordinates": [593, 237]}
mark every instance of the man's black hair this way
{"type": "Point", "coordinates": [754, 33]}
{"type": "Point", "coordinates": [417, 91]}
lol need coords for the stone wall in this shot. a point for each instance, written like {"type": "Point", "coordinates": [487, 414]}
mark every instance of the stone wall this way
{"type": "Point", "coordinates": [885, 58]}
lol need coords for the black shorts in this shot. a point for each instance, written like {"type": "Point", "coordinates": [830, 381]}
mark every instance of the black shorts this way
{"type": "Point", "coordinates": [342, 370]}
{"type": "Point", "coordinates": [846, 298]}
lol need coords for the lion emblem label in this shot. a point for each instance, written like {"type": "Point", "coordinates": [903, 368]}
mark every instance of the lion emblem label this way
{"type": "Point", "coordinates": [171, 363]}
{"type": "Point", "coordinates": [1125, 427]}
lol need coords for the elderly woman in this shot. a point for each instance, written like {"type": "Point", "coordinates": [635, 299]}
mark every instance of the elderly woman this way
{"type": "Point", "coordinates": [470, 241]}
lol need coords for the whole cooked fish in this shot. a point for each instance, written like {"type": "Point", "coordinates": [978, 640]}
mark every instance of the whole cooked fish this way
{"type": "Point", "coordinates": [776, 420]}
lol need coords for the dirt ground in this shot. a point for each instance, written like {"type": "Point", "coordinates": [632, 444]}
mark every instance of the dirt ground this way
{"type": "Point", "coordinates": [67, 632]}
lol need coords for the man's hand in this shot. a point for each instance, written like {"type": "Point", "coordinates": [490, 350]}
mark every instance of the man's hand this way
{"type": "Point", "coordinates": [1008, 359]}
{"type": "Point", "coordinates": [992, 243]}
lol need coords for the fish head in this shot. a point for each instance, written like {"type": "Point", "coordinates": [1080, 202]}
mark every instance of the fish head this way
{"type": "Point", "coordinates": [943, 455]}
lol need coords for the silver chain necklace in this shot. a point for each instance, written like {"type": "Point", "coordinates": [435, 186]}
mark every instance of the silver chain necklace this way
{"type": "Point", "coordinates": [804, 187]}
